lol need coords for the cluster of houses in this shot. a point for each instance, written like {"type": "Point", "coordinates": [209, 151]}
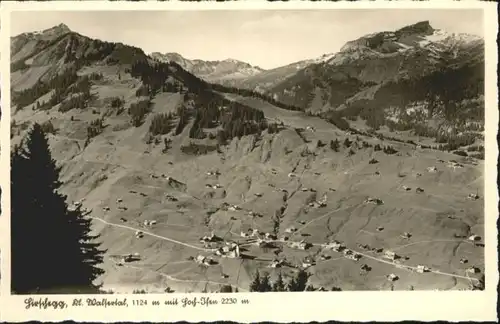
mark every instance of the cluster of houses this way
{"type": "Point", "coordinates": [229, 250]}
{"type": "Point", "coordinates": [260, 236]}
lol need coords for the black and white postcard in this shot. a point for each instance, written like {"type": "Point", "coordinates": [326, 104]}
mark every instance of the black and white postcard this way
{"type": "Point", "coordinates": [221, 161]}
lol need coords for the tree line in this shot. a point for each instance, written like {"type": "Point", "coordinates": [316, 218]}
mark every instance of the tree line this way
{"type": "Point", "coordinates": [262, 282]}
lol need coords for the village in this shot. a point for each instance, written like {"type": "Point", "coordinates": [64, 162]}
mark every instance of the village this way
{"type": "Point", "coordinates": [219, 247]}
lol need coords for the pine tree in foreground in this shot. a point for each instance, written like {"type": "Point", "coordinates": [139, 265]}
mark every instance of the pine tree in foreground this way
{"type": "Point", "coordinates": [265, 283]}
{"type": "Point", "coordinates": [299, 283]}
{"type": "Point", "coordinates": [279, 284]}
{"type": "Point", "coordinates": [255, 285]}
{"type": "Point", "coordinates": [52, 250]}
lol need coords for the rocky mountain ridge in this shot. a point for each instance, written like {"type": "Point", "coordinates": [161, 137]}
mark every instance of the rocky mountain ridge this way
{"type": "Point", "coordinates": [213, 71]}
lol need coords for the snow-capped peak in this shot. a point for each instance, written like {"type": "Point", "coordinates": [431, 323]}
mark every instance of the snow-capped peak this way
{"type": "Point", "coordinates": [441, 36]}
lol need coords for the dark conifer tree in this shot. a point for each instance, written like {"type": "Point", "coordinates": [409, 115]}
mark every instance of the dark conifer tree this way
{"type": "Point", "coordinates": [334, 145]}
{"type": "Point", "coordinates": [255, 285]}
{"type": "Point", "coordinates": [265, 283]}
{"type": "Point", "coordinates": [52, 251]}
{"type": "Point", "coordinates": [279, 284]}
{"type": "Point", "coordinates": [299, 283]}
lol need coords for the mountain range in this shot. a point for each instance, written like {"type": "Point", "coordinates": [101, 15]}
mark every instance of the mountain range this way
{"type": "Point", "coordinates": [214, 71]}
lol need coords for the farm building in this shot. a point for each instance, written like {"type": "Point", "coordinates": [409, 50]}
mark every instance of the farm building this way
{"type": "Point", "coordinates": [270, 236]}
{"type": "Point", "coordinates": [422, 269]}
{"type": "Point", "coordinates": [335, 245]}
{"type": "Point", "coordinates": [375, 201]}
{"type": "Point", "coordinates": [432, 169]}
{"type": "Point", "coordinates": [365, 267]}
{"type": "Point", "coordinates": [474, 238]}
{"type": "Point", "coordinates": [390, 255]}
{"type": "Point", "coordinates": [276, 263]}
{"type": "Point", "coordinates": [324, 257]}
{"type": "Point", "coordinates": [209, 238]}
{"type": "Point", "coordinates": [406, 235]}
{"type": "Point", "coordinates": [473, 270]}
{"type": "Point", "coordinates": [473, 196]}
{"type": "Point", "coordinates": [302, 245]}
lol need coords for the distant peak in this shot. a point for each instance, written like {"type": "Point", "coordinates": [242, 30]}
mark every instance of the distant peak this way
{"type": "Point", "coordinates": [60, 29]}
{"type": "Point", "coordinates": [421, 27]}
{"type": "Point", "coordinates": [173, 54]}
{"type": "Point", "coordinates": [63, 26]}
{"type": "Point", "coordinates": [230, 60]}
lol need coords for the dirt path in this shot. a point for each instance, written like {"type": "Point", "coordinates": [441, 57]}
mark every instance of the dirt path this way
{"type": "Point", "coordinates": [151, 234]}
{"type": "Point", "coordinates": [169, 277]}
{"type": "Point", "coordinates": [429, 241]}
{"type": "Point", "coordinates": [318, 218]}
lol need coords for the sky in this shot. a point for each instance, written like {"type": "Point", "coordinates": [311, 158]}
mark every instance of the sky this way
{"type": "Point", "coordinates": [265, 38]}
